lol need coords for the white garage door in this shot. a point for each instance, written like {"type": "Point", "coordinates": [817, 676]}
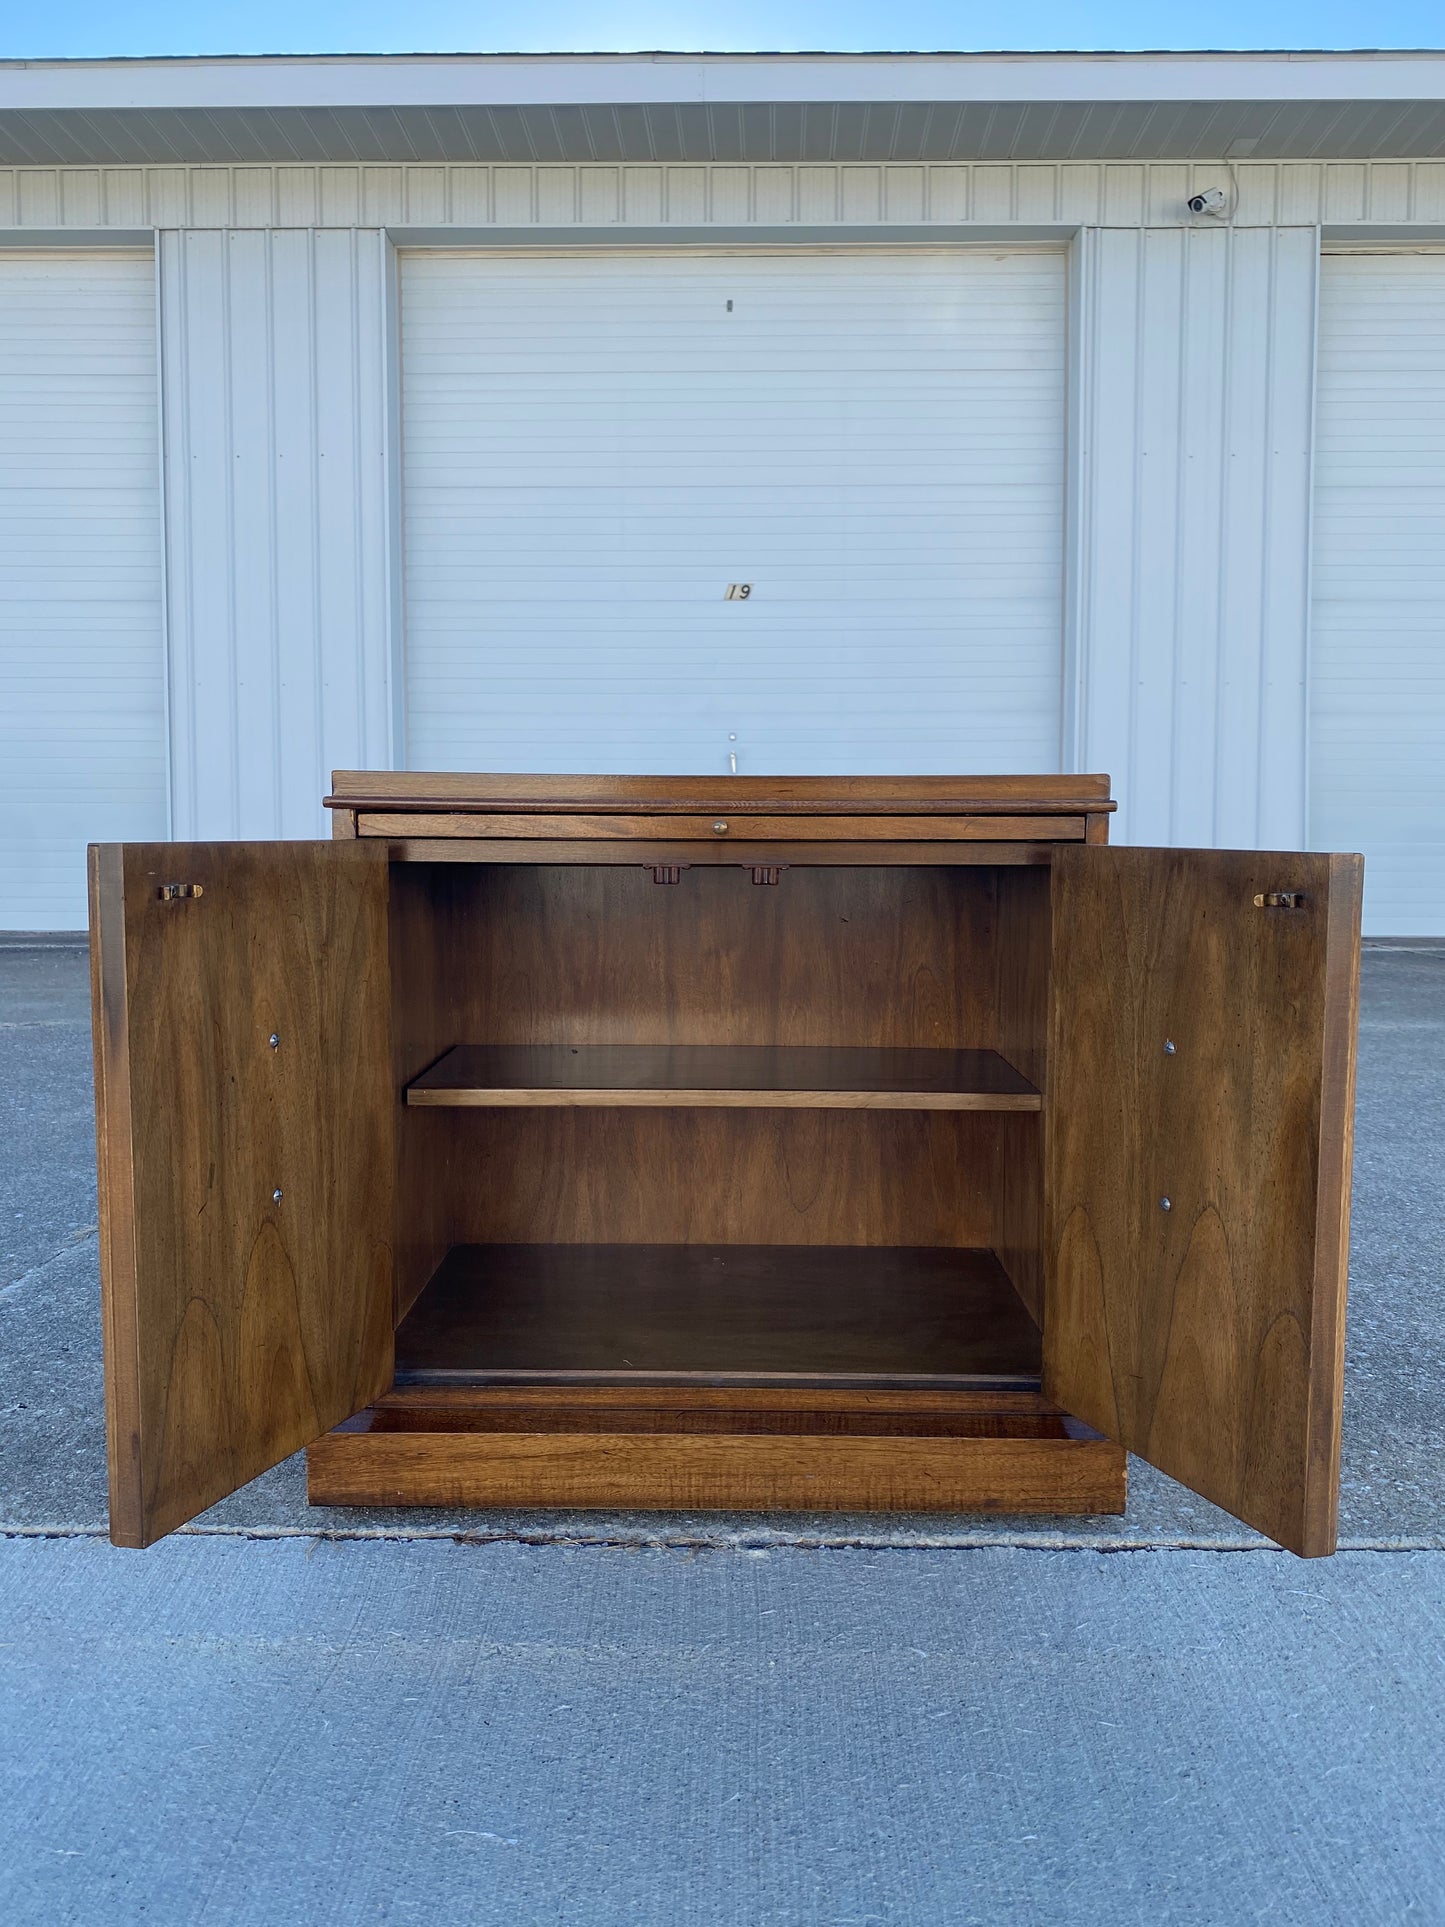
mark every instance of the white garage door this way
{"type": "Point", "coordinates": [82, 713]}
{"type": "Point", "coordinates": [1377, 752]}
{"type": "Point", "coordinates": [596, 448]}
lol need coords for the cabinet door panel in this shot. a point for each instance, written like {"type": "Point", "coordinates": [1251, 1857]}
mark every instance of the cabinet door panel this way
{"type": "Point", "coordinates": [1207, 1335]}
{"type": "Point", "coordinates": [238, 1324]}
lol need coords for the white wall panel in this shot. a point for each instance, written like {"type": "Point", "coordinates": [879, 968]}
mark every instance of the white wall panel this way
{"type": "Point", "coordinates": [1190, 461]}
{"type": "Point", "coordinates": [82, 684]}
{"type": "Point", "coordinates": [1191, 557]}
{"type": "Point", "coordinates": [274, 369]}
{"type": "Point", "coordinates": [594, 448]}
{"type": "Point", "coordinates": [1110, 193]}
{"type": "Point", "coordinates": [1377, 685]}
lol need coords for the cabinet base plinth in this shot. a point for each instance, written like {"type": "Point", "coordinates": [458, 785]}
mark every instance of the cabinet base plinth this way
{"type": "Point", "coordinates": [374, 1461]}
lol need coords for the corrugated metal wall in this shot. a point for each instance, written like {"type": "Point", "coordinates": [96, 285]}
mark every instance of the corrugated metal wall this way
{"type": "Point", "coordinates": [1189, 566]}
{"type": "Point", "coordinates": [1377, 668]}
{"type": "Point", "coordinates": [1184, 661]}
{"type": "Point", "coordinates": [1192, 489]}
{"type": "Point", "coordinates": [274, 370]}
{"type": "Point", "coordinates": [82, 670]}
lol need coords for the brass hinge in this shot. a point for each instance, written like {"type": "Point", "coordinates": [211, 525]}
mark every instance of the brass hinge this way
{"type": "Point", "coordinates": [1280, 900]}
{"type": "Point", "coordinates": [173, 892]}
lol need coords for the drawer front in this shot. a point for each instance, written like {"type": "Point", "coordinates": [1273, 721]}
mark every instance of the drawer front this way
{"type": "Point", "coordinates": [737, 828]}
{"type": "Point", "coordinates": [361, 1464]}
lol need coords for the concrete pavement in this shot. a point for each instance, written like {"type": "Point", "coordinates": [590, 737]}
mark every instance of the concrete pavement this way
{"type": "Point", "coordinates": [229, 1732]}
{"type": "Point", "coordinates": [287, 1715]}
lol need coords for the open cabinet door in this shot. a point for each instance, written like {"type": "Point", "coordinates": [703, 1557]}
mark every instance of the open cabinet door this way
{"type": "Point", "coordinates": [1201, 1100]}
{"type": "Point", "coordinates": [241, 1007]}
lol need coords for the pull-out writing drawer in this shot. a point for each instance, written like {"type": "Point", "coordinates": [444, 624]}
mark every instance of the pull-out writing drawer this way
{"type": "Point", "coordinates": [659, 814]}
{"type": "Point", "coordinates": [734, 826]}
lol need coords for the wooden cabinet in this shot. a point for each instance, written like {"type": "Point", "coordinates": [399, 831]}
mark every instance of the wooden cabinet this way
{"type": "Point", "coordinates": [880, 1144]}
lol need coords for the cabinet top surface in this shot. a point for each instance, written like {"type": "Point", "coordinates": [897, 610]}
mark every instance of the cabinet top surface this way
{"type": "Point", "coordinates": [420, 792]}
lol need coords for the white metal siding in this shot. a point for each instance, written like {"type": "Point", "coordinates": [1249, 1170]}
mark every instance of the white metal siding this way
{"type": "Point", "coordinates": [278, 567]}
{"type": "Point", "coordinates": [1377, 687]}
{"type": "Point", "coordinates": [680, 195]}
{"type": "Point", "coordinates": [1191, 572]}
{"type": "Point", "coordinates": [82, 687]}
{"type": "Point", "coordinates": [595, 448]}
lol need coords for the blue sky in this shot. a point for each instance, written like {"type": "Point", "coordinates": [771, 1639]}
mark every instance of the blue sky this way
{"type": "Point", "coordinates": [96, 27]}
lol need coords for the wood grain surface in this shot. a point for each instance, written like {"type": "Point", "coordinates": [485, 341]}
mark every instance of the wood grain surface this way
{"type": "Point", "coordinates": [732, 852]}
{"type": "Point", "coordinates": [238, 1325]}
{"type": "Point", "coordinates": [712, 795]}
{"type": "Point", "coordinates": [720, 1313]}
{"type": "Point", "coordinates": [885, 958]}
{"type": "Point", "coordinates": [1019, 990]}
{"type": "Point", "coordinates": [820, 1411]}
{"type": "Point", "coordinates": [433, 920]}
{"type": "Point", "coordinates": [1206, 1336]}
{"type": "Point", "coordinates": [571, 1174]}
{"type": "Point", "coordinates": [808, 1076]}
{"type": "Point", "coordinates": [718, 830]}
{"type": "Point", "coordinates": [693, 1472]}
{"type": "Point", "coordinates": [820, 1406]}
{"type": "Point", "coordinates": [562, 955]}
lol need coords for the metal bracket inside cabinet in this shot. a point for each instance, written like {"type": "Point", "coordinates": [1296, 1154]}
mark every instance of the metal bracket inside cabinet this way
{"type": "Point", "coordinates": [668, 872]}
{"type": "Point", "coordinates": [173, 892]}
{"type": "Point", "coordinates": [1280, 900]}
{"type": "Point", "coordinates": [767, 872]}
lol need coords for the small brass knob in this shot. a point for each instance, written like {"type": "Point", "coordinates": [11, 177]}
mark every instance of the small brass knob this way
{"type": "Point", "coordinates": [720, 829]}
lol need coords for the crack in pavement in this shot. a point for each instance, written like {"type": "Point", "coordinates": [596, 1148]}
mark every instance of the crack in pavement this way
{"type": "Point", "coordinates": [76, 1240]}
{"type": "Point", "coordinates": [742, 1542]}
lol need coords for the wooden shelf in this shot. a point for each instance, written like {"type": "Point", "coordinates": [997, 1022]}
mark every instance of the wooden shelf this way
{"type": "Point", "coordinates": [924, 1316]}
{"type": "Point", "coordinates": [738, 1075]}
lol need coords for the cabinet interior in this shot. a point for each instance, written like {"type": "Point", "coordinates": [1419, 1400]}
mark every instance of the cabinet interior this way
{"type": "Point", "coordinates": [716, 1133]}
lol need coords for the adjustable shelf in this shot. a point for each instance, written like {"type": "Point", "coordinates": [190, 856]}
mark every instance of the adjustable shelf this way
{"type": "Point", "coordinates": [741, 1076]}
{"type": "Point", "coordinates": [921, 1316]}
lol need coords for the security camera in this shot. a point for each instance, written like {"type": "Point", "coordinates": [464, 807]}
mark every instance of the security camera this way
{"type": "Point", "coordinates": [1213, 201]}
